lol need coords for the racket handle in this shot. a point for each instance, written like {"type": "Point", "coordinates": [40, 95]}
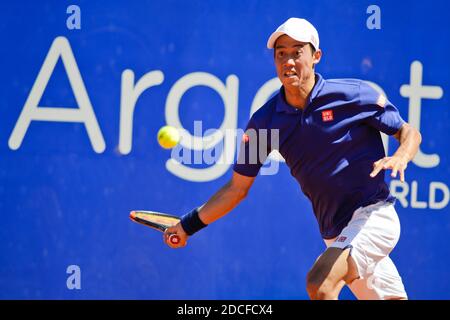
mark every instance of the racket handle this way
{"type": "Point", "coordinates": [174, 239]}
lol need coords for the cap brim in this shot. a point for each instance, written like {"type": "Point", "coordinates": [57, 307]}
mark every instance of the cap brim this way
{"type": "Point", "coordinates": [274, 36]}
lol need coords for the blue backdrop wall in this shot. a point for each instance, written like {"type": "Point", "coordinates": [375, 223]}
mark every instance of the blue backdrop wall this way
{"type": "Point", "coordinates": [79, 113]}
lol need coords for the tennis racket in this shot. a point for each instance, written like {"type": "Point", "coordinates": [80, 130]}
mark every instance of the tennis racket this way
{"type": "Point", "coordinates": [156, 220]}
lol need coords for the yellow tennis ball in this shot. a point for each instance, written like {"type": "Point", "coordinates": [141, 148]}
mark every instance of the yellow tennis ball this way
{"type": "Point", "coordinates": [168, 137]}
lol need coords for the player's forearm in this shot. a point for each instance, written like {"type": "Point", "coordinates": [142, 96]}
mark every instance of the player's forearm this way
{"type": "Point", "coordinates": [222, 202]}
{"type": "Point", "coordinates": [410, 139]}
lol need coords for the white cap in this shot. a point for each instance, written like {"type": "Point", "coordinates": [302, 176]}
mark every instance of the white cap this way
{"type": "Point", "coordinates": [298, 29]}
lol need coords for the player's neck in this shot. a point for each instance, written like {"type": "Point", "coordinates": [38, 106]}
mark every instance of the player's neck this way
{"type": "Point", "coordinates": [297, 97]}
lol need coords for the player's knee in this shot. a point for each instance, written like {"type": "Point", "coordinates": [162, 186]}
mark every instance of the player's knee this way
{"type": "Point", "coordinates": [319, 288]}
{"type": "Point", "coordinates": [323, 291]}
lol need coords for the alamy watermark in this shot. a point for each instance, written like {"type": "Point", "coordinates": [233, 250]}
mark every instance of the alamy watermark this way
{"type": "Point", "coordinates": [74, 20]}
{"type": "Point", "coordinates": [74, 279]}
{"type": "Point", "coordinates": [374, 20]}
{"type": "Point", "coordinates": [253, 147]}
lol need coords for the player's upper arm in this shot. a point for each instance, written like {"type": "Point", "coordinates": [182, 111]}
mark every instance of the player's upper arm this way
{"type": "Point", "coordinates": [398, 134]}
{"type": "Point", "coordinates": [241, 183]}
{"type": "Point", "coordinates": [407, 130]}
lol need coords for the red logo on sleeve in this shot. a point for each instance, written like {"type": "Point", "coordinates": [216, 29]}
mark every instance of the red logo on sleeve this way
{"type": "Point", "coordinates": [245, 138]}
{"type": "Point", "coordinates": [327, 115]}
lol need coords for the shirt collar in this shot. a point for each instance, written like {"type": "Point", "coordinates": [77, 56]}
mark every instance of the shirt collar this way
{"type": "Point", "coordinates": [283, 106]}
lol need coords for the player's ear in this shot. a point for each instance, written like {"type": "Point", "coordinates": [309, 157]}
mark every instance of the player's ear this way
{"type": "Point", "coordinates": [317, 56]}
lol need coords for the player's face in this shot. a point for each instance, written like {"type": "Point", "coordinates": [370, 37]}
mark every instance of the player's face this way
{"type": "Point", "coordinates": [294, 61]}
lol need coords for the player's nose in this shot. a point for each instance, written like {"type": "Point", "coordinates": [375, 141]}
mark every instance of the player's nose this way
{"type": "Point", "coordinates": [289, 63]}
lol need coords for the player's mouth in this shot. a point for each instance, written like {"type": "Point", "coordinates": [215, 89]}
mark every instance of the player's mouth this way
{"type": "Point", "coordinates": [290, 74]}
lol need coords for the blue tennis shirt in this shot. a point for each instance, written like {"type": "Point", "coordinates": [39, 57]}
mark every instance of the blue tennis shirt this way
{"type": "Point", "coordinates": [329, 146]}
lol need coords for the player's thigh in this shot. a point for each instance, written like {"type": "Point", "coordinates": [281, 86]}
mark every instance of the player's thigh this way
{"type": "Point", "coordinates": [333, 266]}
{"type": "Point", "coordinates": [383, 282]}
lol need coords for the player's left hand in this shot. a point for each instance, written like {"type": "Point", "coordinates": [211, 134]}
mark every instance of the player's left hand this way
{"type": "Point", "coordinates": [395, 163]}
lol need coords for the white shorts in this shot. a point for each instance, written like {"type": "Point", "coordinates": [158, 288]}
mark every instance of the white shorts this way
{"type": "Point", "coordinates": [371, 234]}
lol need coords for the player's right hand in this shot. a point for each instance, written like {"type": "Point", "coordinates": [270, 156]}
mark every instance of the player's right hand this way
{"type": "Point", "coordinates": [178, 230]}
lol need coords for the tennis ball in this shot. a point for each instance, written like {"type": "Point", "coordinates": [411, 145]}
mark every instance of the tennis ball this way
{"type": "Point", "coordinates": [168, 137]}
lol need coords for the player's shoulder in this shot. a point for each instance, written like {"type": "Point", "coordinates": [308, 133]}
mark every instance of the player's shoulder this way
{"type": "Point", "coordinates": [350, 88]}
{"type": "Point", "coordinates": [343, 84]}
{"type": "Point", "coordinates": [350, 82]}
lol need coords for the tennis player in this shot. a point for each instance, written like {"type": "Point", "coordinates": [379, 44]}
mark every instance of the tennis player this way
{"type": "Point", "coordinates": [329, 135]}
